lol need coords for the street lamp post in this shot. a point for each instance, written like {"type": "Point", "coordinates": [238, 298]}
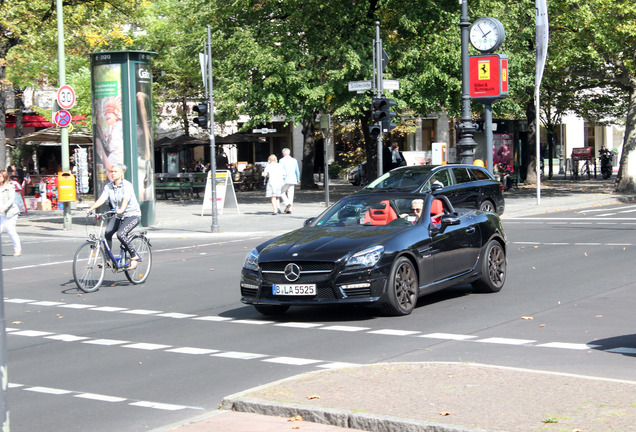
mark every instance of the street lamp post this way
{"type": "Point", "coordinates": [466, 144]}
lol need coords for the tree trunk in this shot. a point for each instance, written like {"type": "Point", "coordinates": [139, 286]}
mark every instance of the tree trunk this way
{"type": "Point", "coordinates": [625, 179]}
{"type": "Point", "coordinates": [530, 148]}
{"type": "Point", "coordinates": [307, 176]}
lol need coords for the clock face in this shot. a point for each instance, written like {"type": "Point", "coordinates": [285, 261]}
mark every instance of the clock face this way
{"type": "Point", "coordinates": [486, 34]}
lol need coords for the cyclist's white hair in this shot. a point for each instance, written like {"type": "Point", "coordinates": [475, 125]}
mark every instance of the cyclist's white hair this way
{"type": "Point", "coordinates": [286, 151]}
{"type": "Point", "coordinates": [120, 166]}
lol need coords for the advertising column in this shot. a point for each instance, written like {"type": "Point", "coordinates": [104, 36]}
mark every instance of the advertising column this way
{"type": "Point", "coordinates": [122, 123]}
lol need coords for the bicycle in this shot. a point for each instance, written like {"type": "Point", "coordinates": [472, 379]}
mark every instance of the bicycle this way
{"type": "Point", "coordinates": [93, 257]}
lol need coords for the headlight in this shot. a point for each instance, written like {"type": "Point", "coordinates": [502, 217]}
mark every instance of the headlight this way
{"type": "Point", "coordinates": [251, 260]}
{"type": "Point", "coordinates": [366, 258]}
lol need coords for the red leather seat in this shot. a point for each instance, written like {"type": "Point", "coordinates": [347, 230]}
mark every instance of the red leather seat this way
{"type": "Point", "coordinates": [437, 209]}
{"type": "Point", "coordinates": [380, 214]}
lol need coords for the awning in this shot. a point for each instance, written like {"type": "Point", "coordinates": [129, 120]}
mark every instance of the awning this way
{"type": "Point", "coordinates": [53, 136]}
{"type": "Point", "coordinates": [36, 120]}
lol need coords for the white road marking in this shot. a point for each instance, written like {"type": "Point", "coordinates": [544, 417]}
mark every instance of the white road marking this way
{"type": "Point", "coordinates": [99, 397]}
{"type": "Point", "coordinates": [77, 306]}
{"type": "Point", "coordinates": [146, 346]}
{"type": "Point", "coordinates": [239, 355]}
{"type": "Point", "coordinates": [141, 312]}
{"type": "Point", "coordinates": [48, 390]}
{"type": "Point", "coordinates": [506, 341]}
{"type": "Point", "coordinates": [566, 345]}
{"type": "Point", "coordinates": [47, 303]}
{"type": "Point", "coordinates": [31, 333]}
{"type": "Point", "coordinates": [212, 318]}
{"type": "Point", "coordinates": [176, 315]}
{"type": "Point", "coordinates": [252, 322]}
{"type": "Point", "coordinates": [106, 342]}
{"type": "Point", "coordinates": [292, 361]}
{"type": "Point", "coordinates": [337, 365]}
{"type": "Point", "coordinates": [298, 325]}
{"type": "Point", "coordinates": [344, 328]}
{"type": "Point", "coordinates": [448, 336]}
{"type": "Point", "coordinates": [66, 338]}
{"type": "Point", "coordinates": [390, 332]}
{"type": "Point", "coordinates": [190, 350]}
{"type": "Point", "coordinates": [157, 405]}
{"type": "Point", "coordinates": [109, 309]}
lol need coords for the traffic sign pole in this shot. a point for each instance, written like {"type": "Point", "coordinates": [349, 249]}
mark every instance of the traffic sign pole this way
{"type": "Point", "coordinates": [68, 221]}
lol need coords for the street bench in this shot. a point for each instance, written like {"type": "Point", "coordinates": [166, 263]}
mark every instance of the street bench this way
{"type": "Point", "coordinates": [181, 187]}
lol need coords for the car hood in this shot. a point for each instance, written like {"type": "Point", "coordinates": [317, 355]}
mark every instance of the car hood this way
{"type": "Point", "coordinates": [320, 243]}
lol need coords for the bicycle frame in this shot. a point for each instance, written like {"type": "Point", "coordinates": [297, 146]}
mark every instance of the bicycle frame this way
{"type": "Point", "coordinates": [115, 260]}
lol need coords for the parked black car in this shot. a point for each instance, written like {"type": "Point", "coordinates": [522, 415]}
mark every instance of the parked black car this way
{"type": "Point", "coordinates": [468, 186]}
{"type": "Point", "coordinates": [366, 250]}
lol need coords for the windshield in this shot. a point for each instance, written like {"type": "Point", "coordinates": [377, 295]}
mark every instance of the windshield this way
{"type": "Point", "coordinates": [365, 211]}
{"type": "Point", "coordinates": [404, 179]}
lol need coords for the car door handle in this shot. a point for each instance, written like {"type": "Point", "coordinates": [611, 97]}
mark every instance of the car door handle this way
{"type": "Point", "coordinates": [470, 230]}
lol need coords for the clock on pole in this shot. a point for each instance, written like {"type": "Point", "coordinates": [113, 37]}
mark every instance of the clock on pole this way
{"type": "Point", "coordinates": [487, 34]}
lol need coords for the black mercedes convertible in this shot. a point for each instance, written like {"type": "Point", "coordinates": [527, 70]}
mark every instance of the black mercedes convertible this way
{"type": "Point", "coordinates": [377, 249]}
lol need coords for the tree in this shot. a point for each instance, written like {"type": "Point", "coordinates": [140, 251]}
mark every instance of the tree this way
{"type": "Point", "coordinates": [597, 44]}
{"type": "Point", "coordinates": [28, 41]}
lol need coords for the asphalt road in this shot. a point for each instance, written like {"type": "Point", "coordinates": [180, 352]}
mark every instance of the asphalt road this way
{"type": "Point", "coordinates": [135, 358]}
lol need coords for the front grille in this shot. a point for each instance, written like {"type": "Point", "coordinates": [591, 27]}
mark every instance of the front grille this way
{"type": "Point", "coordinates": [310, 272]}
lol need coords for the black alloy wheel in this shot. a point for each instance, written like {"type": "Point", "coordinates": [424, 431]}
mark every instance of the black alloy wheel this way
{"type": "Point", "coordinates": [493, 269]}
{"type": "Point", "coordinates": [402, 288]}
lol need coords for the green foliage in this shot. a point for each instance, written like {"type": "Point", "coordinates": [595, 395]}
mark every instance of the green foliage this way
{"type": "Point", "coordinates": [335, 170]}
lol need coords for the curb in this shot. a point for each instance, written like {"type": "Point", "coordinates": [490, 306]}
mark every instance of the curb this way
{"type": "Point", "coordinates": [340, 418]}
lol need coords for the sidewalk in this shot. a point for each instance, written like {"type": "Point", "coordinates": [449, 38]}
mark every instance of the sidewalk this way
{"type": "Point", "coordinates": [410, 397]}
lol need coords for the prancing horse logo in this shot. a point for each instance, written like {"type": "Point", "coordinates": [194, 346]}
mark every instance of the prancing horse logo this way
{"type": "Point", "coordinates": [292, 272]}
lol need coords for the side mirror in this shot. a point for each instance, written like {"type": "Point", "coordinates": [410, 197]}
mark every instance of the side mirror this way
{"type": "Point", "coordinates": [450, 219]}
{"type": "Point", "coordinates": [308, 222]}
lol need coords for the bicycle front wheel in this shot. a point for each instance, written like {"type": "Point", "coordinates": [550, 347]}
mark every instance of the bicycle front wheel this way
{"type": "Point", "coordinates": [89, 265]}
{"type": "Point", "coordinates": [142, 247]}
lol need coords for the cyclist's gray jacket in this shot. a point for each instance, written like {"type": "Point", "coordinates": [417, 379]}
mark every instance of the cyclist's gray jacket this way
{"type": "Point", "coordinates": [116, 194]}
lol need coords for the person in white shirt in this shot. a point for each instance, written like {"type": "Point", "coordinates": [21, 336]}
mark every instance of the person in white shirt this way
{"type": "Point", "coordinates": [292, 178]}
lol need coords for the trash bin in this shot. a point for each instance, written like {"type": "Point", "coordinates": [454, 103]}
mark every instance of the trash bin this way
{"type": "Point", "coordinates": [66, 187]}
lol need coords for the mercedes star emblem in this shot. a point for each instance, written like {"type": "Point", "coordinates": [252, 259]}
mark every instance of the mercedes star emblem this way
{"type": "Point", "coordinates": [292, 272]}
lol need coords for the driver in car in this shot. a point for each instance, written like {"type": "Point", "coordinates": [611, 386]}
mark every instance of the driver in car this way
{"type": "Point", "coordinates": [417, 205]}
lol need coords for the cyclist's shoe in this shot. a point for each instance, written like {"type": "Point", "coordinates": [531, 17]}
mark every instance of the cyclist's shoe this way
{"type": "Point", "coordinates": [134, 262]}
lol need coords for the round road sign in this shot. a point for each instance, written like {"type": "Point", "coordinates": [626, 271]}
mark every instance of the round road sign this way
{"type": "Point", "coordinates": [66, 97]}
{"type": "Point", "coordinates": [62, 118]}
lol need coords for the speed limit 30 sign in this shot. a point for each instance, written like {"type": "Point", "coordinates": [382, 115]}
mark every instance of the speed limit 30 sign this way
{"type": "Point", "coordinates": [66, 97]}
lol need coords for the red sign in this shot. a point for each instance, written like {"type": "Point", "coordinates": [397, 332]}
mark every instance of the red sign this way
{"type": "Point", "coordinates": [62, 118]}
{"type": "Point", "coordinates": [579, 153]}
{"type": "Point", "coordinates": [488, 77]}
{"type": "Point", "coordinates": [66, 97]}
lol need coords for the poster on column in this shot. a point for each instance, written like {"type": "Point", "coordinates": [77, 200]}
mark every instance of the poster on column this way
{"type": "Point", "coordinates": [145, 147]}
{"type": "Point", "coordinates": [225, 195]}
{"type": "Point", "coordinates": [107, 121]}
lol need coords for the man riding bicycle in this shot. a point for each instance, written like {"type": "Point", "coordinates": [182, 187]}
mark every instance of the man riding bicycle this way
{"type": "Point", "coordinates": [121, 196]}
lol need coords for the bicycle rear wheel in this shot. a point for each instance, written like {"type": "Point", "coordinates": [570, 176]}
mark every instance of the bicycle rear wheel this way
{"type": "Point", "coordinates": [89, 265]}
{"type": "Point", "coordinates": [142, 247]}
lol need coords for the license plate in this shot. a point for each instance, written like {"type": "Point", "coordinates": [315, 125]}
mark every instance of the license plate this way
{"type": "Point", "coordinates": [307, 289]}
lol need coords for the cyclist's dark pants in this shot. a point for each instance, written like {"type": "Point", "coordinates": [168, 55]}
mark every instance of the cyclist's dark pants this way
{"type": "Point", "coordinates": [122, 227]}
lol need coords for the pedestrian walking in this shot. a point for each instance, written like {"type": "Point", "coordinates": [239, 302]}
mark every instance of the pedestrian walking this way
{"type": "Point", "coordinates": [292, 178]}
{"type": "Point", "coordinates": [9, 211]}
{"type": "Point", "coordinates": [275, 176]}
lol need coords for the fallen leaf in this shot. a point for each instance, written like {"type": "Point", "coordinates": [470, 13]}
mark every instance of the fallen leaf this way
{"type": "Point", "coordinates": [211, 269]}
{"type": "Point", "coordinates": [599, 316]}
{"type": "Point", "coordinates": [576, 430]}
{"type": "Point", "coordinates": [534, 268]}
{"type": "Point", "coordinates": [535, 247]}
{"type": "Point", "coordinates": [527, 317]}
{"type": "Point", "coordinates": [313, 397]}
{"type": "Point", "coordinates": [140, 363]}
{"type": "Point", "coordinates": [16, 322]}
{"type": "Point", "coordinates": [296, 427]}
{"type": "Point", "coordinates": [542, 325]}
{"type": "Point", "coordinates": [585, 253]}
{"type": "Point", "coordinates": [296, 418]}
{"type": "Point", "coordinates": [444, 413]}
{"type": "Point", "coordinates": [60, 316]}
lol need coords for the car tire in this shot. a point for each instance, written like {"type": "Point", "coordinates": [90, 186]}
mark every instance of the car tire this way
{"type": "Point", "coordinates": [493, 269]}
{"type": "Point", "coordinates": [271, 309]}
{"type": "Point", "coordinates": [488, 206]}
{"type": "Point", "coordinates": [402, 288]}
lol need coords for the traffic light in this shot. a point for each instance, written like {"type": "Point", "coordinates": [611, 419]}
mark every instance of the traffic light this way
{"type": "Point", "coordinates": [375, 129]}
{"type": "Point", "coordinates": [381, 115]}
{"type": "Point", "coordinates": [385, 107]}
{"type": "Point", "coordinates": [202, 119]}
